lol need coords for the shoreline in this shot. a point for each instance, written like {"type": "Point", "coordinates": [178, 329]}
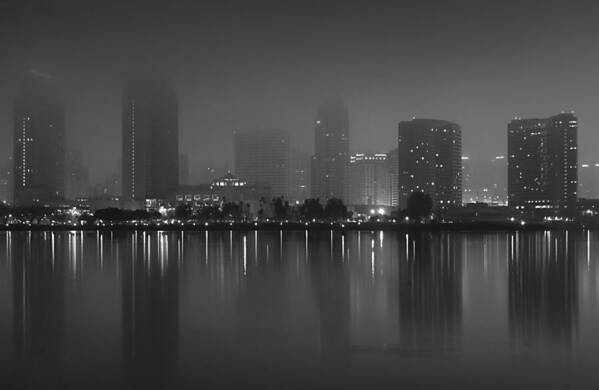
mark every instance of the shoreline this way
{"type": "Point", "coordinates": [316, 226]}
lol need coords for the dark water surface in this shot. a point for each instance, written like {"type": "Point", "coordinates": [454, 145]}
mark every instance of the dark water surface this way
{"type": "Point", "coordinates": [299, 310]}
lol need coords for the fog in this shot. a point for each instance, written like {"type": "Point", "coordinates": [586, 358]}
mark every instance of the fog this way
{"type": "Point", "coordinates": [253, 64]}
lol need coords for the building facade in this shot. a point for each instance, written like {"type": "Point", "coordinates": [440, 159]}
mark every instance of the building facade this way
{"type": "Point", "coordinates": [228, 188]}
{"type": "Point", "coordinates": [393, 168]}
{"type": "Point", "coordinates": [39, 142]}
{"type": "Point", "coordinates": [330, 163]}
{"type": "Point", "coordinates": [370, 180]}
{"type": "Point", "coordinates": [150, 165]}
{"type": "Point", "coordinates": [429, 161]}
{"type": "Point", "coordinates": [542, 165]}
{"type": "Point", "coordinates": [262, 157]}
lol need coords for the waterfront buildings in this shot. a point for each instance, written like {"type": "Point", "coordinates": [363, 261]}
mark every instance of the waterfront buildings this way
{"type": "Point", "coordinates": [430, 152]}
{"type": "Point", "coordinates": [39, 142]}
{"type": "Point", "coordinates": [393, 169]}
{"type": "Point", "coordinates": [542, 165]}
{"type": "Point", "coordinates": [370, 180]}
{"type": "Point", "coordinates": [262, 157]}
{"type": "Point", "coordinates": [150, 164]}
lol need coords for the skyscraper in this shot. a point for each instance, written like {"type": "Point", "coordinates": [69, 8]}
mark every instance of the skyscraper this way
{"type": "Point", "coordinates": [370, 180]}
{"type": "Point", "coordinates": [430, 161]}
{"type": "Point", "coordinates": [39, 142]}
{"type": "Point", "coordinates": [542, 165]}
{"type": "Point", "coordinates": [262, 157]}
{"type": "Point", "coordinates": [150, 139]}
{"type": "Point", "coordinates": [330, 162]}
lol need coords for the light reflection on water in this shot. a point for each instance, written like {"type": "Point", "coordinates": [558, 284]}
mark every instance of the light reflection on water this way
{"type": "Point", "coordinates": [298, 309]}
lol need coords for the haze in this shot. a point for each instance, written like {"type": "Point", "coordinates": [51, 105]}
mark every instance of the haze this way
{"type": "Point", "coordinates": [252, 64]}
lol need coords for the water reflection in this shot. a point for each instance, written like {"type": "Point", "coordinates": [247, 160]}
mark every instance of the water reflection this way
{"type": "Point", "coordinates": [38, 311]}
{"type": "Point", "coordinates": [430, 294]}
{"type": "Point", "coordinates": [297, 309]}
{"type": "Point", "coordinates": [150, 310]}
{"type": "Point", "coordinates": [543, 296]}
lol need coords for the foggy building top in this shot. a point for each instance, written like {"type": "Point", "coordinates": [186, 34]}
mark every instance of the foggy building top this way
{"type": "Point", "coordinates": [330, 162]}
{"type": "Point", "coordinates": [39, 142]}
{"type": "Point", "coordinates": [150, 138]}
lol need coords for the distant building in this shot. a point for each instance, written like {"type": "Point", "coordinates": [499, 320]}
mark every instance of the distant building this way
{"type": "Point", "coordinates": [542, 165]}
{"type": "Point", "coordinates": [477, 212]}
{"type": "Point", "coordinates": [588, 180]}
{"type": "Point", "coordinates": [6, 182]}
{"type": "Point", "coordinates": [212, 172]}
{"type": "Point", "coordinates": [484, 180]}
{"type": "Point", "coordinates": [77, 176]}
{"type": "Point", "coordinates": [150, 166]}
{"type": "Point", "coordinates": [262, 157]}
{"type": "Point", "coordinates": [39, 142]}
{"type": "Point", "coordinates": [330, 163]}
{"type": "Point", "coordinates": [228, 188]}
{"type": "Point", "coordinates": [430, 154]}
{"type": "Point", "coordinates": [299, 175]}
{"type": "Point", "coordinates": [183, 169]}
{"type": "Point", "coordinates": [370, 180]}
{"type": "Point", "coordinates": [393, 168]}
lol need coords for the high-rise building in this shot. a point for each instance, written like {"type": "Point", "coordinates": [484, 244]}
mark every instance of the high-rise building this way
{"type": "Point", "coordinates": [150, 165]}
{"type": "Point", "coordinates": [330, 163]}
{"type": "Point", "coordinates": [430, 153]}
{"type": "Point", "coordinates": [262, 157]}
{"type": "Point", "coordinates": [370, 180]}
{"type": "Point", "coordinates": [299, 181]}
{"type": "Point", "coordinates": [39, 142]}
{"type": "Point", "coordinates": [542, 165]}
{"type": "Point", "coordinates": [183, 169]}
{"type": "Point", "coordinates": [393, 168]}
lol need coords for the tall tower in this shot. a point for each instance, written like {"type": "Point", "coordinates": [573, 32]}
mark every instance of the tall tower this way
{"type": "Point", "coordinates": [330, 163]}
{"type": "Point", "coordinates": [430, 161]}
{"type": "Point", "coordinates": [543, 165]}
{"type": "Point", "coordinates": [262, 157]}
{"type": "Point", "coordinates": [150, 139]}
{"type": "Point", "coordinates": [39, 142]}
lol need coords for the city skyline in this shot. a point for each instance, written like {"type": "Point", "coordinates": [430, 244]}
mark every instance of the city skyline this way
{"type": "Point", "coordinates": [429, 157]}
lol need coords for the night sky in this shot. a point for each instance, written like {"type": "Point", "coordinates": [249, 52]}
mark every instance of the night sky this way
{"type": "Point", "coordinates": [252, 64]}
